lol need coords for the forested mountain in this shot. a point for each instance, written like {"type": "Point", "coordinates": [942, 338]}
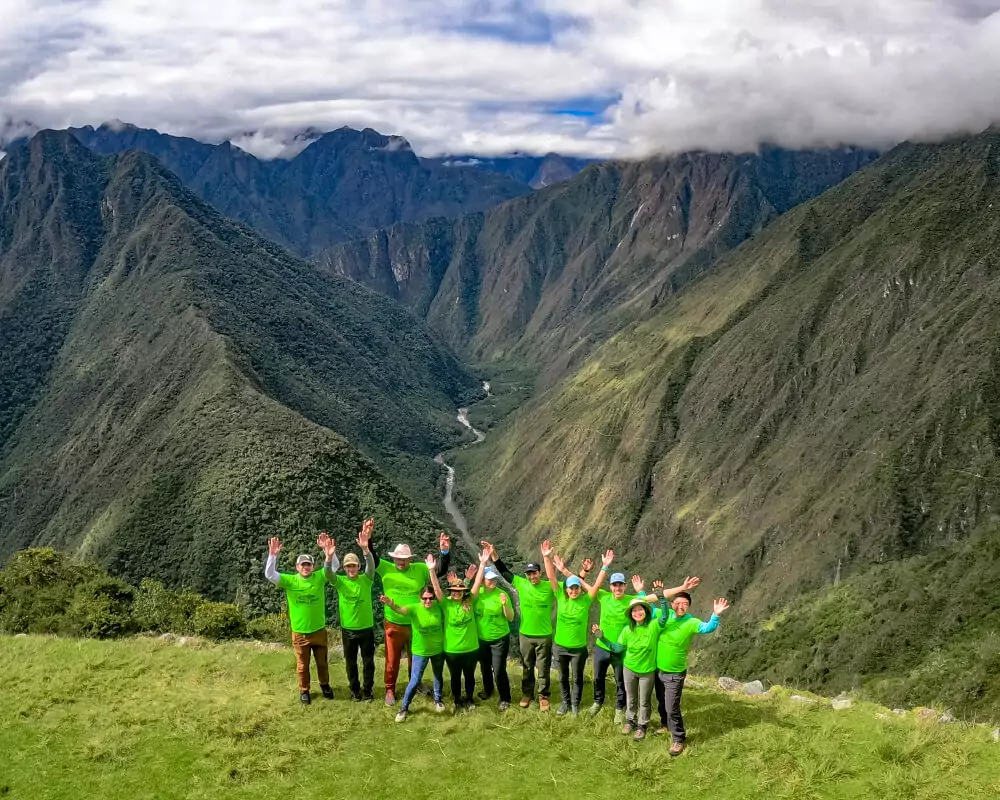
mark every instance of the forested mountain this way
{"type": "Point", "coordinates": [546, 277]}
{"type": "Point", "coordinates": [174, 387]}
{"type": "Point", "coordinates": [536, 171]}
{"type": "Point", "coordinates": [344, 184]}
{"type": "Point", "coordinates": [813, 426]}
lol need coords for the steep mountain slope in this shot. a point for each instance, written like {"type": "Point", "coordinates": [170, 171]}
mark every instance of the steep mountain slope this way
{"type": "Point", "coordinates": [536, 171]}
{"type": "Point", "coordinates": [341, 186]}
{"type": "Point", "coordinates": [820, 408]}
{"type": "Point", "coordinates": [547, 276]}
{"type": "Point", "coordinates": [193, 393]}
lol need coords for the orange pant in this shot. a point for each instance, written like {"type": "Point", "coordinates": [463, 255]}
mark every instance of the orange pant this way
{"type": "Point", "coordinates": [315, 643]}
{"type": "Point", "coordinates": [397, 638]}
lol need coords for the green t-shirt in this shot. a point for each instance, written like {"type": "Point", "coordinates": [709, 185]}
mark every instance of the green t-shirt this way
{"type": "Point", "coordinates": [402, 586]}
{"type": "Point", "coordinates": [614, 615]}
{"type": "Point", "coordinates": [571, 619]}
{"type": "Point", "coordinates": [306, 600]}
{"type": "Point", "coordinates": [460, 634]}
{"type": "Point", "coordinates": [354, 602]}
{"type": "Point", "coordinates": [640, 647]}
{"type": "Point", "coordinates": [675, 640]}
{"type": "Point", "coordinates": [490, 620]}
{"type": "Point", "coordinates": [536, 606]}
{"type": "Point", "coordinates": [427, 629]}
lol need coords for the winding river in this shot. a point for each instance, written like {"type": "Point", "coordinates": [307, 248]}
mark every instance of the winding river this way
{"type": "Point", "coordinates": [449, 488]}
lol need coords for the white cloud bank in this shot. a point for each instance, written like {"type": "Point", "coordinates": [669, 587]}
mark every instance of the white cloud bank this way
{"type": "Point", "coordinates": [485, 76]}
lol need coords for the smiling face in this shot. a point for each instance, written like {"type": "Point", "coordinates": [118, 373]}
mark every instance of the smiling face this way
{"type": "Point", "coordinates": [618, 590]}
{"type": "Point", "coordinates": [680, 605]}
{"type": "Point", "coordinates": [573, 591]}
{"type": "Point", "coordinates": [534, 577]}
{"type": "Point", "coordinates": [402, 564]}
{"type": "Point", "coordinates": [305, 570]}
{"type": "Point", "coordinates": [638, 613]}
{"type": "Point", "coordinates": [351, 570]}
{"type": "Point", "coordinates": [490, 583]}
{"type": "Point", "coordinates": [427, 598]}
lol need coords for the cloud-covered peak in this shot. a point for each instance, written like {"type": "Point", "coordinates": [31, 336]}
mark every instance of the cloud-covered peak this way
{"type": "Point", "coordinates": [587, 77]}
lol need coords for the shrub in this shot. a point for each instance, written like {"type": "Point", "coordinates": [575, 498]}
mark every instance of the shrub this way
{"type": "Point", "coordinates": [162, 610]}
{"type": "Point", "coordinates": [36, 589]}
{"type": "Point", "coordinates": [269, 628]}
{"type": "Point", "coordinates": [102, 608]}
{"type": "Point", "coordinates": [219, 621]}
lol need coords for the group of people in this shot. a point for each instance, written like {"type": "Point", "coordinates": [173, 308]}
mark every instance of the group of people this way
{"type": "Point", "coordinates": [441, 619]}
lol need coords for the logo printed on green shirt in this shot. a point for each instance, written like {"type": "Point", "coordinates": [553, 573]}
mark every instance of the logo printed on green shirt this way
{"type": "Point", "coordinates": [490, 620]}
{"type": "Point", "coordinates": [354, 602]}
{"type": "Point", "coordinates": [572, 616]}
{"type": "Point", "coordinates": [536, 606]}
{"type": "Point", "coordinates": [402, 586]}
{"type": "Point", "coordinates": [460, 634]}
{"type": "Point", "coordinates": [306, 600]}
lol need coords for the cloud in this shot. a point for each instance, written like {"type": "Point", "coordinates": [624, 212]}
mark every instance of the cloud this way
{"type": "Point", "coordinates": [588, 77]}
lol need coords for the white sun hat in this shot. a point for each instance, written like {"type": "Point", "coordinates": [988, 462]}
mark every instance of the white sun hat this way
{"type": "Point", "coordinates": [401, 551]}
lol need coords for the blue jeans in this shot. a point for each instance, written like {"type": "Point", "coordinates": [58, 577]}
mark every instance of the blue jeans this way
{"type": "Point", "coordinates": [416, 675]}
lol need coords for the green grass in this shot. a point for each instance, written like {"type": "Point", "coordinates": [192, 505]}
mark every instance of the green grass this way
{"type": "Point", "coordinates": [144, 718]}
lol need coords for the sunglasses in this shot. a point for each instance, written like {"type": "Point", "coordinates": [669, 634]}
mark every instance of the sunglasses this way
{"type": "Point", "coordinates": [427, 599]}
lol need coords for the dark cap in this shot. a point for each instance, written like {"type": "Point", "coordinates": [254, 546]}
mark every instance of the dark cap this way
{"type": "Point", "coordinates": [531, 566]}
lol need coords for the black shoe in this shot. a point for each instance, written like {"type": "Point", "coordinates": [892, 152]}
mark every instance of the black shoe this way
{"type": "Point", "coordinates": [326, 690]}
{"type": "Point", "coordinates": [484, 696]}
{"type": "Point", "coordinates": [356, 697]}
{"type": "Point", "coordinates": [368, 697]}
{"type": "Point", "coordinates": [305, 698]}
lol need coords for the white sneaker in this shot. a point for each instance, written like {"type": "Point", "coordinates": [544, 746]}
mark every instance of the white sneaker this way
{"type": "Point", "coordinates": [439, 708]}
{"type": "Point", "coordinates": [401, 716]}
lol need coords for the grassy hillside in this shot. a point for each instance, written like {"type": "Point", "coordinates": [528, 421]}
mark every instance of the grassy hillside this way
{"type": "Point", "coordinates": [145, 718]}
{"type": "Point", "coordinates": [811, 427]}
{"type": "Point", "coordinates": [196, 396]}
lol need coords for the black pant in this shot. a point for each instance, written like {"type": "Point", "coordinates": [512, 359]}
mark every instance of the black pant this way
{"type": "Point", "coordinates": [362, 641]}
{"type": "Point", "coordinates": [571, 662]}
{"type": "Point", "coordinates": [459, 665]}
{"type": "Point", "coordinates": [616, 661]}
{"type": "Point", "coordinates": [493, 664]}
{"type": "Point", "coordinates": [669, 686]}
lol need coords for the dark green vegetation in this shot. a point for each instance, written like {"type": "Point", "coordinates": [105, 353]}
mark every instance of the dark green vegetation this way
{"type": "Point", "coordinates": [545, 278]}
{"type": "Point", "coordinates": [535, 171]}
{"type": "Point", "coordinates": [146, 718]}
{"type": "Point", "coordinates": [175, 388]}
{"type": "Point", "coordinates": [811, 425]}
{"type": "Point", "coordinates": [341, 186]}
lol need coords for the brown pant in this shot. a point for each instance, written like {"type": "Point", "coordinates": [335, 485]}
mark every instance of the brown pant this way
{"type": "Point", "coordinates": [397, 637]}
{"type": "Point", "coordinates": [315, 643]}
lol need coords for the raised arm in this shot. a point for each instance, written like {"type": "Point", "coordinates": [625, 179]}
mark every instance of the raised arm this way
{"type": "Point", "coordinates": [271, 565]}
{"type": "Point", "coordinates": [385, 600]}
{"type": "Point", "coordinates": [364, 542]}
{"type": "Point", "coordinates": [550, 571]}
{"type": "Point", "coordinates": [444, 546]}
{"type": "Point", "coordinates": [689, 584]}
{"type": "Point", "coordinates": [501, 567]}
{"type": "Point", "coordinates": [432, 569]}
{"type": "Point", "coordinates": [484, 559]}
{"type": "Point", "coordinates": [329, 548]}
{"type": "Point", "coordinates": [718, 609]}
{"type": "Point", "coordinates": [606, 560]}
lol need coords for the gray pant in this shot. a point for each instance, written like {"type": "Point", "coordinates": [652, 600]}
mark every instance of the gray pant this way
{"type": "Point", "coordinates": [669, 686]}
{"type": "Point", "coordinates": [639, 692]}
{"type": "Point", "coordinates": [535, 649]}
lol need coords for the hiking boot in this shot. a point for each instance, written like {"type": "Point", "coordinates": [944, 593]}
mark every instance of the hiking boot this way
{"type": "Point", "coordinates": [504, 705]}
{"type": "Point", "coordinates": [525, 702]}
{"type": "Point", "coordinates": [368, 697]}
{"type": "Point", "coordinates": [326, 690]}
{"type": "Point", "coordinates": [575, 711]}
{"type": "Point", "coordinates": [543, 704]}
{"type": "Point", "coordinates": [305, 698]}
{"type": "Point", "coordinates": [628, 728]}
{"type": "Point", "coordinates": [640, 733]}
{"type": "Point", "coordinates": [390, 698]}
{"type": "Point", "coordinates": [676, 748]}
{"type": "Point", "coordinates": [356, 697]}
{"type": "Point", "coordinates": [595, 709]}
{"type": "Point", "coordinates": [484, 696]}
{"type": "Point", "coordinates": [401, 716]}
{"type": "Point", "coordinates": [660, 731]}
{"type": "Point", "coordinates": [439, 707]}
{"type": "Point", "coordinates": [562, 710]}
{"type": "Point", "coordinates": [619, 716]}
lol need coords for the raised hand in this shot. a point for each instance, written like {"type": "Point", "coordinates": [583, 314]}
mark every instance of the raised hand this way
{"type": "Point", "coordinates": [546, 549]}
{"type": "Point", "coordinates": [607, 558]}
{"type": "Point", "coordinates": [559, 563]}
{"type": "Point", "coordinates": [503, 598]}
{"type": "Point", "coordinates": [452, 576]}
{"type": "Point", "coordinates": [273, 546]}
{"type": "Point", "coordinates": [638, 584]}
{"type": "Point", "coordinates": [327, 545]}
{"type": "Point", "coordinates": [690, 583]}
{"type": "Point", "coordinates": [365, 534]}
{"type": "Point", "coordinates": [470, 572]}
{"type": "Point", "coordinates": [431, 562]}
{"type": "Point", "coordinates": [595, 628]}
{"type": "Point", "coordinates": [485, 556]}
{"type": "Point", "coordinates": [444, 542]}
{"type": "Point", "coordinates": [587, 564]}
{"type": "Point", "coordinates": [720, 605]}
{"type": "Point", "coordinates": [489, 546]}
{"type": "Point", "coordinates": [657, 585]}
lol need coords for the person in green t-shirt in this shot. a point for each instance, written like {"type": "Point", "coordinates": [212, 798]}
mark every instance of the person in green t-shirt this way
{"type": "Point", "coordinates": [402, 580]}
{"type": "Point", "coordinates": [427, 642]}
{"type": "Point", "coordinates": [536, 601]}
{"type": "Point", "coordinates": [461, 639]}
{"type": "Point", "coordinates": [573, 603]}
{"type": "Point", "coordinates": [494, 612]}
{"type": "Point", "coordinates": [679, 630]}
{"type": "Point", "coordinates": [357, 622]}
{"type": "Point", "coordinates": [306, 596]}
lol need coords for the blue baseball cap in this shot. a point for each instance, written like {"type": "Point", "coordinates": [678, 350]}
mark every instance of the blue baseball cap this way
{"type": "Point", "coordinates": [618, 577]}
{"type": "Point", "coordinates": [572, 580]}
{"type": "Point", "coordinates": [491, 574]}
